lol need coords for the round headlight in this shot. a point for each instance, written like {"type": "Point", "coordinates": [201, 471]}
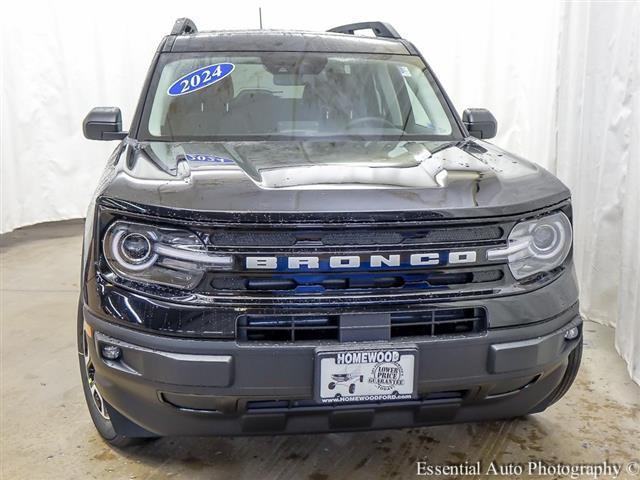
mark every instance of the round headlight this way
{"type": "Point", "coordinates": [536, 246]}
{"type": "Point", "coordinates": [159, 255]}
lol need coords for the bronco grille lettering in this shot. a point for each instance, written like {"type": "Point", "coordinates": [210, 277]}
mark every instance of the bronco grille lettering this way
{"type": "Point", "coordinates": [337, 262]}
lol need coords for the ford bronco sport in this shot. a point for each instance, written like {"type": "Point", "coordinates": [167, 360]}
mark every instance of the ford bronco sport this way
{"type": "Point", "coordinates": [299, 234]}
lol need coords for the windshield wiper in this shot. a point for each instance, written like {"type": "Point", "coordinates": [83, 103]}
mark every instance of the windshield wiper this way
{"type": "Point", "coordinates": [454, 143]}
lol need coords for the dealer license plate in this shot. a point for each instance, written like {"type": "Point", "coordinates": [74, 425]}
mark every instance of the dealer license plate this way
{"type": "Point", "coordinates": [367, 375]}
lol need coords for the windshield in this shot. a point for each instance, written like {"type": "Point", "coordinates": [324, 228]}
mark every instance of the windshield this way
{"type": "Point", "coordinates": [286, 95]}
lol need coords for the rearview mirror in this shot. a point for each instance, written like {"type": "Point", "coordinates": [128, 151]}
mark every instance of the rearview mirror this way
{"type": "Point", "coordinates": [480, 123]}
{"type": "Point", "coordinates": [103, 123]}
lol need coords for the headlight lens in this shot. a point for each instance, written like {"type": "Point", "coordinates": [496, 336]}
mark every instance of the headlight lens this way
{"type": "Point", "coordinates": [163, 256]}
{"type": "Point", "coordinates": [536, 245]}
{"type": "Point", "coordinates": [136, 248]}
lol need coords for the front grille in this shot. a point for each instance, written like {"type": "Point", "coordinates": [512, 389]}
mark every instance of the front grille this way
{"type": "Point", "coordinates": [282, 241]}
{"type": "Point", "coordinates": [300, 328]}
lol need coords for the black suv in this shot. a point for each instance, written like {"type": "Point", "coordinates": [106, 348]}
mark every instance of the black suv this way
{"type": "Point", "coordinates": [300, 234]}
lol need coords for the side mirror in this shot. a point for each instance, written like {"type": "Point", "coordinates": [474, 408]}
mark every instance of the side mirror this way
{"type": "Point", "coordinates": [103, 123]}
{"type": "Point", "coordinates": [480, 123]}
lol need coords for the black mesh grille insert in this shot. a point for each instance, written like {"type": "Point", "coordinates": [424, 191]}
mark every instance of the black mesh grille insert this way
{"type": "Point", "coordinates": [313, 283]}
{"type": "Point", "coordinates": [293, 328]}
{"type": "Point", "coordinates": [354, 236]}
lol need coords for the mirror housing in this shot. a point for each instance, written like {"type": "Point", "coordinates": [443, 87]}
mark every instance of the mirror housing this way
{"type": "Point", "coordinates": [480, 123]}
{"type": "Point", "coordinates": [103, 123]}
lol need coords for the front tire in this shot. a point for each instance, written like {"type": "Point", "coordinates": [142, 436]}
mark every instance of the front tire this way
{"type": "Point", "coordinates": [97, 405]}
{"type": "Point", "coordinates": [573, 365]}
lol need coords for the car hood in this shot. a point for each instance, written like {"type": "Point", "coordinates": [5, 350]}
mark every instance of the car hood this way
{"type": "Point", "coordinates": [466, 178]}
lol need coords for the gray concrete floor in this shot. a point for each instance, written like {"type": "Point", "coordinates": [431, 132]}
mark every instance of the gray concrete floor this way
{"type": "Point", "coordinates": [47, 432]}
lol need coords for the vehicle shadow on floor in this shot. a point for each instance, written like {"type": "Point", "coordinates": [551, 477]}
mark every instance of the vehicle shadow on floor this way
{"type": "Point", "coordinates": [380, 454]}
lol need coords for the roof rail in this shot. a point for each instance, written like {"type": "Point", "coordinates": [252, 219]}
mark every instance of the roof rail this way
{"type": "Point", "coordinates": [381, 29]}
{"type": "Point", "coordinates": [184, 26]}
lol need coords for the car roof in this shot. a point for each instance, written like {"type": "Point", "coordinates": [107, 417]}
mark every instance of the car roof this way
{"type": "Point", "coordinates": [282, 41]}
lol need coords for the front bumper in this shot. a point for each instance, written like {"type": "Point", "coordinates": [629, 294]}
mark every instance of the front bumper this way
{"type": "Point", "coordinates": [176, 386]}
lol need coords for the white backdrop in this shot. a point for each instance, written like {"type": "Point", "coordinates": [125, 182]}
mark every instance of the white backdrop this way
{"type": "Point", "coordinates": [562, 79]}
